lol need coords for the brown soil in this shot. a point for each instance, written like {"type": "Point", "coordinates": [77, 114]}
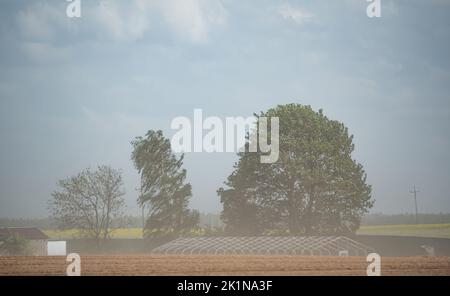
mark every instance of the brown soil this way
{"type": "Point", "coordinates": [224, 265]}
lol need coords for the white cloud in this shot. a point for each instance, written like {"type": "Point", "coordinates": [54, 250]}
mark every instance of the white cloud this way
{"type": "Point", "coordinates": [108, 15]}
{"type": "Point", "coordinates": [189, 19]}
{"type": "Point", "coordinates": [40, 25]}
{"type": "Point", "coordinates": [194, 19]}
{"type": "Point", "coordinates": [122, 22]}
{"type": "Point", "coordinates": [295, 14]}
{"type": "Point", "coordinates": [39, 21]}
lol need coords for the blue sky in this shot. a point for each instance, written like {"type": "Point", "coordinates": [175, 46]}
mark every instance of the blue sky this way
{"type": "Point", "coordinates": [75, 92]}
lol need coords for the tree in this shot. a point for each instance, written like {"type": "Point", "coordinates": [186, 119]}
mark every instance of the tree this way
{"type": "Point", "coordinates": [14, 244]}
{"type": "Point", "coordinates": [314, 188]}
{"type": "Point", "coordinates": [163, 189]}
{"type": "Point", "coordinates": [89, 202]}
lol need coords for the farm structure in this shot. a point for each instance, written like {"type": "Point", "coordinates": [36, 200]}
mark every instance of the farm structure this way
{"type": "Point", "coordinates": [36, 239]}
{"type": "Point", "coordinates": [266, 245]}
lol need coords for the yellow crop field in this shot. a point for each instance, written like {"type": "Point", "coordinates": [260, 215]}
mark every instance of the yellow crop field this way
{"type": "Point", "coordinates": [74, 233]}
{"type": "Point", "coordinates": [420, 230]}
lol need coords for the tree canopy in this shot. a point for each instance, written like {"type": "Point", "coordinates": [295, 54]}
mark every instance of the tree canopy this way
{"type": "Point", "coordinates": [89, 202]}
{"type": "Point", "coordinates": [315, 187]}
{"type": "Point", "coordinates": [163, 189]}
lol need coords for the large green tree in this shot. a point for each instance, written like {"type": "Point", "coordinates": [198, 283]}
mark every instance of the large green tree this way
{"type": "Point", "coordinates": [315, 187]}
{"type": "Point", "coordinates": [163, 191]}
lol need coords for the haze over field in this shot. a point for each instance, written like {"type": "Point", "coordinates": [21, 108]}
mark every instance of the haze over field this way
{"type": "Point", "coordinates": [75, 92]}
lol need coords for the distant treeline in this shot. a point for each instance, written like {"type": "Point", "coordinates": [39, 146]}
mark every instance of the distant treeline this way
{"type": "Point", "coordinates": [42, 223]}
{"type": "Point", "coordinates": [209, 220]}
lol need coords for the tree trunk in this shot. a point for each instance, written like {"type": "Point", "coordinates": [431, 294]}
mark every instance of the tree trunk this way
{"type": "Point", "coordinates": [294, 225]}
{"type": "Point", "coordinates": [309, 212]}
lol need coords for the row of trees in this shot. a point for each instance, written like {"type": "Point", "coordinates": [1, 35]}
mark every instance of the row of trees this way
{"type": "Point", "coordinates": [92, 201]}
{"type": "Point", "coordinates": [314, 188]}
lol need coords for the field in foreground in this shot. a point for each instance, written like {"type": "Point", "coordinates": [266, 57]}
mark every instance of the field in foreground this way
{"type": "Point", "coordinates": [224, 265]}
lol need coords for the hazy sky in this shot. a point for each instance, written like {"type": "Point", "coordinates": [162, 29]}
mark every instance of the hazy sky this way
{"type": "Point", "coordinates": [75, 92]}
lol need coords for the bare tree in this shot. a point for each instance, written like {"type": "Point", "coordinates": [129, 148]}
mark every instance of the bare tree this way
{"type": "Point", "coordinates": [89, 202]}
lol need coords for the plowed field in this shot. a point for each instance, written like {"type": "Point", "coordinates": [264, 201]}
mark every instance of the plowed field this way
{"type": "Point", "coordinates": [224, 265]}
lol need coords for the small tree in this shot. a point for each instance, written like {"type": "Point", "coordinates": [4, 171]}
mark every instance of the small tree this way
{"type": "Point", "coordinates": [15, 244]}
{"type": "Point", "coordinates": [163, 189]}
{"type": "Point", "coordinates": [89, 202]}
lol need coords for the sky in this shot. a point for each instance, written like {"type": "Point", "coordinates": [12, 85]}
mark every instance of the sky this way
{"type": "Point", "coordinates": [75, 91]}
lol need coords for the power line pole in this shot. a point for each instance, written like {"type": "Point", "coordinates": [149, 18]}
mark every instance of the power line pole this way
{"type": "Point", "coordinates": [415, 203]}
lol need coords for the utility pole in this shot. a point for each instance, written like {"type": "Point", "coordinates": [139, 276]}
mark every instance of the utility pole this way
{"type": "Point", "coordinates": [415, 203]}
